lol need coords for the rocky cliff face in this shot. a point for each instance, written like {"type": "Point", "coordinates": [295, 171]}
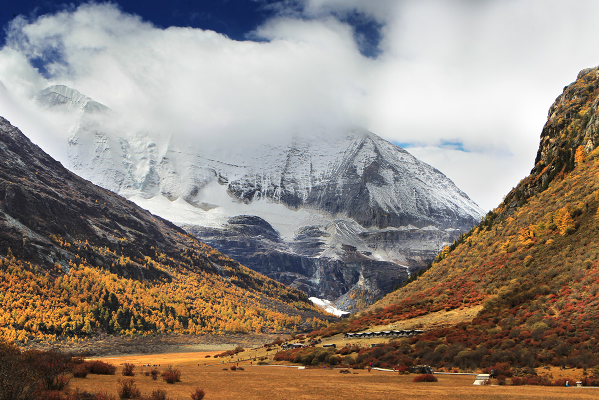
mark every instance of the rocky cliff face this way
{"type": "Point", "coordinates": [334, 212]}
{"type": "Point", "coordinates": [42, 204]}
{"type": "Point", "coordinates": [572, 124]}
{"type": "Point", "coordinates": [296, 263]}
{"type": "Point", "coordinates": [39, 198]}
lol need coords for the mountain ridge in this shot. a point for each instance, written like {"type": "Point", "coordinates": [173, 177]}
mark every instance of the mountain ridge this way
{"type": "Point", "coordinates": [78, 260]}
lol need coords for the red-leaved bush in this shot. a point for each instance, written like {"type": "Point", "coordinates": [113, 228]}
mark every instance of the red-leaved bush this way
{"type": "Point", "coordinates": [171, 375]}
{"type": "Point", "coordinates": [80, 371]}
{"type": "Point", "coordinates": [158, 394]}
{"type": "Point", "coordinates": [99, 367]}
{"type": "Point", "coordinates": [50, 395]}
{"type": "Point", "coordinates": [562, 382]}
{"type": "Point", "coordinates": [534, 380]}
{"type": "Point", "coordinates": [198, 394]}
{"type": "Point", "coordinates": [128, 369]}
{"type": "Point", "coordinates": [590, 382]}
{"type": "Point", "coordinates": [425, 378]}
{"type": "Point", "coordinates": [128, 390]}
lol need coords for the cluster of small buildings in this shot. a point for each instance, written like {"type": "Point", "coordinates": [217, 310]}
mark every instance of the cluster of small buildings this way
{"type": "Point", "coordinates": [394, 333]}
{"type": "Point", "coordinates": [290, 346]}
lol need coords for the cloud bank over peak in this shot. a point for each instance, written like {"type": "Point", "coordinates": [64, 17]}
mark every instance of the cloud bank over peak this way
{"type": "Point", "coordinates": [190, 81]}
{"type": "Point", "coordinates": [478, 73]}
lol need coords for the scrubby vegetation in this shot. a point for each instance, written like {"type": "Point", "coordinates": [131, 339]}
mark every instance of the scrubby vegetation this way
{"type": "Point", "coordinates": [171, 375]}
{"type": "Point", "coordinates": [538, 281]}
{"type": "Point", "coordinates": [198, 394]}
{"type": "Point", "coordinates": [128, 369]}
{"type": "Point", "coordinates": [38, 375]}
{"type": "Point", "coordinates": [47, 375]}
{"type": "Point", "coordinates": [309, 356]}
{"type": "Point", "coordinates": [128, 389]}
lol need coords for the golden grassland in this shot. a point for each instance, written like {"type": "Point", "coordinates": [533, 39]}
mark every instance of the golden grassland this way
{"type": "Point", "coordinates": [434, 320]}
{"type": "Point", "coordinates": [289, 382]}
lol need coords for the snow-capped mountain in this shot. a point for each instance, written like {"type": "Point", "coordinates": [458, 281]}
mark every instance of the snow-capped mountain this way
{"type": "Point", "coordinates": [331, 211]}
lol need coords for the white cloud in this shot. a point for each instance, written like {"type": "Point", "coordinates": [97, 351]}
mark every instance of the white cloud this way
{"type": "Point", "coordinates": [479, 73]}
{"type": "Point", "coordinates": [201, 83]}
{"type": "Point", "coordinates": [481, 179]}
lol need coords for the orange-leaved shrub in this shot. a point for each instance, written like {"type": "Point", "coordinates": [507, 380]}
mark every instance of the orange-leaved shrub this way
{"type": "Point", "coordinates": [425, 378]}
{"type": "Point", "coordinates": [128, 390]}
{"type": "Point", "coordinates": [198, 394]}
{"type": "Point", "coordinates": [128, 369]}
{"type": "Point", "coordinates": [171, 375]}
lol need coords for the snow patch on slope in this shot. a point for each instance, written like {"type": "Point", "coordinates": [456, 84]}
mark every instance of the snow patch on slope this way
{"type": "Point", "coordinates": [328, 306]}
{"type": "Point", "coordinates": [222, 207]}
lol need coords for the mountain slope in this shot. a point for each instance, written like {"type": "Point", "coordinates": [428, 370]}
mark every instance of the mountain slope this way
{"type": "Point", "coordinates": [351, 214]}
{"type": "Point", "coordinates": [77, 259]}
{"type": "Point", "coordinates": [532, 263]}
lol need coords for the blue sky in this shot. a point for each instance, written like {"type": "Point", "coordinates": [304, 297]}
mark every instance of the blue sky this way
{"type": "Point", "coordinates": [234, 18]}
{"type": "Point", "coordinates": [463, 85]}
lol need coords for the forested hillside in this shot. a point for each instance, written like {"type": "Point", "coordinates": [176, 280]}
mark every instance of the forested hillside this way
{"type": "Point", "coordinates": [76, 260]}
{"type": "Point", "coordinates": [533, 262]}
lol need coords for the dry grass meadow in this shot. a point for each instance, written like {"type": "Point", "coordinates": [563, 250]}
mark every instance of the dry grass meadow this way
{"type": "Point", "coordinates": [286, 382]}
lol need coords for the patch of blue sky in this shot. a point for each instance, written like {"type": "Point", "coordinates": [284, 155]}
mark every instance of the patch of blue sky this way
{"type": "Point", "coordinates": [44, 63]}
{"type": "Point", "coordinates": [367, 33]}
{"type": "Point", "coordinates": [407, 145]}
{"type": "Point", "coordinates": [453, 145]}
{"type": "Point", "coordinates": [444, 144]}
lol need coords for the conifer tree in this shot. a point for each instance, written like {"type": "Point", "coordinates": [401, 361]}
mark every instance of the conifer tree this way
{"type": "Point", "coordinates": [565, 223]}
{"type": "Point", "coordinates": [580, 156]}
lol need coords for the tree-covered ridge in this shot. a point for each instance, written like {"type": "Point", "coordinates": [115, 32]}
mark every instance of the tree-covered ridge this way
{"type": "Point", "coordinates": [76, 259]}
{"type": "Point", "coordinates": [37, 304]}
{"type": "Point", "coordinates": [198, 290]}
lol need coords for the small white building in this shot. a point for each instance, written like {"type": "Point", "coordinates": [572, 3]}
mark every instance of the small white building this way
{"type": "Point", "coordinates": [482, 379]}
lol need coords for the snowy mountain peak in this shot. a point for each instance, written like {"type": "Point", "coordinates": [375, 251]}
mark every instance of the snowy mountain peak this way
{"type": "Point", "coordinates": [63, 96]}
{"type": "Point", "coordinates": [342, 204]}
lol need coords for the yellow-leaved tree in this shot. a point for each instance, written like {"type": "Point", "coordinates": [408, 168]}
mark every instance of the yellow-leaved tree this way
{"type": "Point", "coordinates": [564, 222]}
{"type": "Point", "coordinates": [580, 156]}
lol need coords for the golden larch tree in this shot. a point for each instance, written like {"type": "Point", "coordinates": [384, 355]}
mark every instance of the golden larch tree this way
{"type": "Point", "coordinates": [564, 222]}
{"type": "Point", "coordinates": [580, 156]}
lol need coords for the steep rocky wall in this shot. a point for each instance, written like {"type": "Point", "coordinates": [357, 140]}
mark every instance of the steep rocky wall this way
{"type": "Point", "coordinates": [572, 123]}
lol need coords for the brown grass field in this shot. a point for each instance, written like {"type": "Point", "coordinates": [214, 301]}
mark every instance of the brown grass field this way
{"type": "Point", "coordinates": [286, 382]}
{"type": "Point", "coordinates": [434, 320]}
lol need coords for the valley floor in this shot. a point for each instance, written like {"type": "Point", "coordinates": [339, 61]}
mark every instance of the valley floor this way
{"type": "Point", "coordinates": [287, 382]}
{"type": "Point", "coordinates": [215, 376]}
